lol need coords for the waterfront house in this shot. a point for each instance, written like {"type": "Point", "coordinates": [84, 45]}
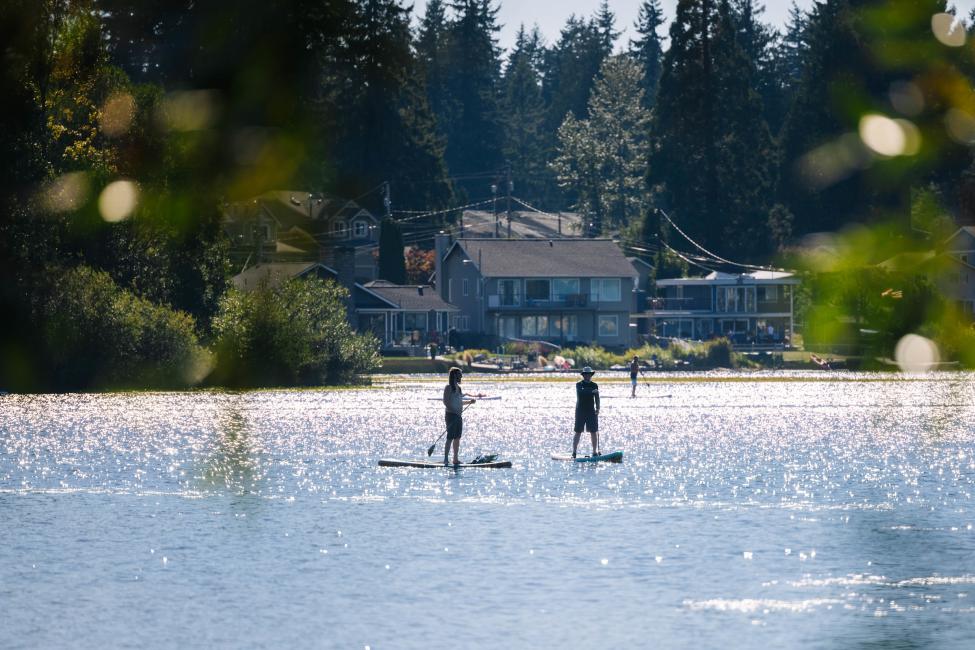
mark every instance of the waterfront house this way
{"type": "Point", "coordinates": [563, 291]}
{"type": "Point", "coordinates": [956, 279]}
{"type": "Point", "coordinates": [756, 307]}
{"type": "Point", "coordinates": [404, 317]}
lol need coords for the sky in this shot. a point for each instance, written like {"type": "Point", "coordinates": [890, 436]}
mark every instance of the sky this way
{"type": "Point", "coordinates": [550, 15]}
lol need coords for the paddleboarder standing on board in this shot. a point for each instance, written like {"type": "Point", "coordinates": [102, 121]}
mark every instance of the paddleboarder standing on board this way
{"type": "Point", "coordinates": [453, 401]}
{"type": "Point", "coordinates": [634, 370]}
{"type": "Point", "coordinates": [587, 411]}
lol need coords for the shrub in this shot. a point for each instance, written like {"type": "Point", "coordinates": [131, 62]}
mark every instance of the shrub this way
{"type": "Point", "coordinates": [98, 335]}
{"type": "Point", "coordinates": [296, 334]}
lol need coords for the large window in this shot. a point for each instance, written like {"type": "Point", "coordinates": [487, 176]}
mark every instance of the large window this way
{"type": "Point", "coordinates": [534, 326]}
{"type": "Point", "coordinates": [508, 327]}
{"type": "Point", "coordinates": [360, 229]}
{"type": "Point", "coordinates": [466, 287]}
{"type": "Point", "coordinates": [768, 293]}
{"type": "Point", "coordinates": [604, 289]}
{"type": "Point", "coordinates": [415, 321]}
{"type": "Point", "coordinates": [340, 229]}
{"type": "Point", "coordinates": [566, 326]}
{"type": "Point", "coordinates": [563, 287]}
{"type": "Point", "coordinates": [609, 325]}
{"type": "Point", "coordinates": [537, 289]}
{"type": "Point", "coordinates": [510, 291]}
{"type": "Point", "coordinates": [736, 299]}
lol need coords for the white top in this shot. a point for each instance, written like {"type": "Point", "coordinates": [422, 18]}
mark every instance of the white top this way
{"type": "Point", "coordinates": [453, 400]}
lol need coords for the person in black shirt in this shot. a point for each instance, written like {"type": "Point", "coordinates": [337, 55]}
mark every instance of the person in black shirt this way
{"type": "Point", "coordinates": [587, 411]}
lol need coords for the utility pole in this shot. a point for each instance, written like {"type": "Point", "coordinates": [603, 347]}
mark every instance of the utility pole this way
{"type": "Point", "coordinates": [494, 201]}
{"type": "Point", "coordinates": [510, 186]}
{"type": "Point", "coordinates": [387, 202]}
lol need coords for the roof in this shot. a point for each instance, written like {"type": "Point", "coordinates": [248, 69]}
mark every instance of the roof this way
{"type": "Point", "coordinates": [968, 230]}
{"type": "Point", "coordinates": [524, 224]}
{"type": "Point", "coordinates": [277, 273]}
{"type": "Point", "coordinates": [410, 297]}
{"type": "Point", "coordinates": [546, 258]}
{"type": "Point", "coordinates": [717, 277]}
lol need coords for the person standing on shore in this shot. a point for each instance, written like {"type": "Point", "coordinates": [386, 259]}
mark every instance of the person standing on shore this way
{"type": "Point", "coordinates": [634, 370]}
{"type": "Point", "coordinates": [587, 411]}
{"type": "Point", "coordinates": [453, 401]}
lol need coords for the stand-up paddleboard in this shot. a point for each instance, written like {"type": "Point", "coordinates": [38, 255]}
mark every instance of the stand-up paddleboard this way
{"type": "Point", "coordinates": [479, 399]}
{"type": "Point", "coordinates": [611, 457]}
{"type": "Point", "coordinates": [426, 464]}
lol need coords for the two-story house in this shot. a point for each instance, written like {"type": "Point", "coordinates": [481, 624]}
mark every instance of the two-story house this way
{"type": "Point", "coordinates": [563, 291]}
{"type": "Point", "coordinates": [752, 307]}
{"type": "Point", "coordinates": [292, 226]}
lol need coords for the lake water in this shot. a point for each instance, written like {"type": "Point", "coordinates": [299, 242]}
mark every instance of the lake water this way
{"type": "Point", "coordinates": [814, 510]}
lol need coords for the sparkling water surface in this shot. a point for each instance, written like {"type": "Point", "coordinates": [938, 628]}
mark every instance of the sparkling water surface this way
{"type": "Point", "coordinates": [781, 510]}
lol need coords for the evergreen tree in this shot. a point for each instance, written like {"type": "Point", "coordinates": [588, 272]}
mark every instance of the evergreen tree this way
{"type": "Point", "coordinates": [759, 42]}
{"type": "Point", "coordinates": [474, 134]}
{"type": "Point", "coordinates": [714, 156]}
{"type": "Point", "coordinates": [382, 125]}
{"type": "Point", "coordinates": [603, 159]}
{"type": "Point", "coordinates": [647, 49]}
{"type": "Point", "coordinates": [392, 263]}
{"type": "Point", "coordinates": [524, 114]}
{"type": "Point", "coordinates": [432, 51]}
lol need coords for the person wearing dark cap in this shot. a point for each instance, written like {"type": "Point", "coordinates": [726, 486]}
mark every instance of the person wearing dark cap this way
{"type": "Point", "coordinates": [587, 411]}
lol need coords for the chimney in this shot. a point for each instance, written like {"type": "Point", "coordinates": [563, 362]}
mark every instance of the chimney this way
{"type": "Point", "coordinates": [345, 266]}
{"type": "Point", "coordinates": [419, 290]}
{"type": "Point", "coordinates": [441, 242]}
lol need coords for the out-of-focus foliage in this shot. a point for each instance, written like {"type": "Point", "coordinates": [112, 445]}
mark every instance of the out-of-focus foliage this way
{"type": "Point", "coordinates": [419, 265]}
{"type": "Point", "coordinates": [296, 334]}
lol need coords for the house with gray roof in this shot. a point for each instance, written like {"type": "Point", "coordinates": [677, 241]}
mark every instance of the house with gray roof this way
{"type": "Point", "coordinates": [402, 316]}
{"type": "Point", "coordinates": [756, 307]}
{"type": "Point", "coordinates": [563, 291]}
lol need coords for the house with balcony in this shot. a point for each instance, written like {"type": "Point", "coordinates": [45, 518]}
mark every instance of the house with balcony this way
{"type": "Point", "coordinates": [748, 308]}
{"type": "Point", "coordinates": [562, 291]}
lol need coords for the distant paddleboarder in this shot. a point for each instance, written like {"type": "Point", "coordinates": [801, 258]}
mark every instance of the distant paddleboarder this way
{"type": "Point", "coordinates": [587, 411]}
{"type": "Point", "coordinates": [634, 370]}
{"type": "Point", "coordinates": [453, 401]}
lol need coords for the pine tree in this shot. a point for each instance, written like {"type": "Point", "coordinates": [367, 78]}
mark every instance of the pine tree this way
{"type": "Point", "coordinates": [524, 114]}
{"type": "Point", "coordinates": [392, 263]}
{"type": "Point", "coordinates": [474, 134]}
{"type": "Point", "coordinates": [715, 164]}
{"type": "Point", "coordinates": [381, 123]}
{"type": "Point", "coordinates": [432, 52]}
{"type": "Point", "coordinates": [648, 49]}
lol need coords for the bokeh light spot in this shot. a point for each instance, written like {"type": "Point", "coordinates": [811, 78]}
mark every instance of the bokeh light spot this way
{"type": "Point", "coordinates": [117, 114]}
{"type": "Point", "coordinates": [916, 354]}
{"type": "Point", "coordinates": [906, 98]}
{"type": "Point", "coordinates": [960, 126]}
{"type": "Point", "coordinates": [948, 30]}
{"type": "Point", "coordinates": [188, 110]}
{"type": "Point", "coordinates": [66, 193]}
{"type": "Point", "coordinates": [883, 135]}
{"type": "Point", "coordinates": [118, 200]}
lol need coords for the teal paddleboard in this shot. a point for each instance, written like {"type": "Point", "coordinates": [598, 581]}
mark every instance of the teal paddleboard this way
{"type": "Point", "coordinates": [611, 457]}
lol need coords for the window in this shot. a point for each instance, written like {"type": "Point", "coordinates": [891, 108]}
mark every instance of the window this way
{"type": "Point", "coordinates": [360, 229]}
{"type": "Point", "coordinates": [768, 294]}
{"type": "Point", "coordinates": [534, 326]}
{"type": "Point", "coordinates": [563, 287]}
{"type": "Point", "coordinates": [609, 326]}
{"type": "Point", "coordinates": [537, 289]}
{"type": "Point", "coordinates": [450, 290]}
{"type": "Point", "coordinates": [340, 228]}
{"type": "Point", "coordinates": [415, 321]}
{"type": "Point", "coordinates": [462, 323]}
{"type": "Point", "coordinates": [510, 291]}
{"type": "Point", "coordinates": [604, 289]}
{"type": "Point", "coordinates": [508, 327]}
{"type": "Point", "coordinates": [567, 326]}
{"type": "Point", "coordinates": [466, 287]}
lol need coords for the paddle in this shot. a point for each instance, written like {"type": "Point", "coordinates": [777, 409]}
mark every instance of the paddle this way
{"type": "Point", "coordinates": [647, 384]}
{"type": "Point", "coordinates": [481, 398]}
{"type": "Point", "coordinates": [442, 434]}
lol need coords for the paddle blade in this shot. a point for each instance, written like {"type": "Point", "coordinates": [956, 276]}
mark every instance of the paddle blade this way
{"type": "Point", "coordinates": [431, 448]}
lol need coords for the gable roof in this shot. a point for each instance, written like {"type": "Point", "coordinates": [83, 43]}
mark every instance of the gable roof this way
{"type": "Point", "coordinates": [968, 230]}
{"type": "Point", "coordinates": [546, 258]}
{"type": "Point", "coordinates": [410, 297]}
{"type": "Point", "coordinates": [277, 273]}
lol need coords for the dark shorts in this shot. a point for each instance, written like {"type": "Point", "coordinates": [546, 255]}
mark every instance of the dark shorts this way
{"type": "Point", "coordinates": [587, 420]}
{"type": "Point", "coordinates": [455, 425]}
